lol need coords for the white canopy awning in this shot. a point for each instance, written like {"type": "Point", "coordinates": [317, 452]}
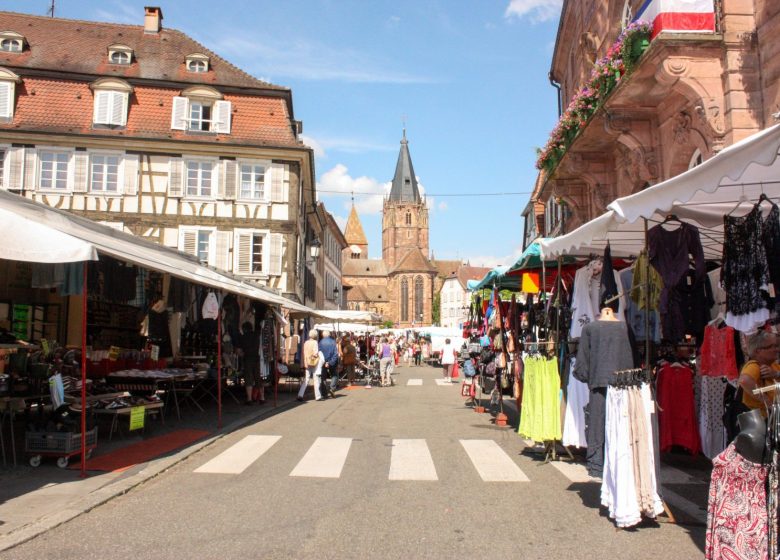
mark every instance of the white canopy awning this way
{"type": "Point", "coordinates": [345, 327]}
{"type": "Point", "coordinates": [83, 239]}
{"type": "Point", "coordinates": [348, 316]}
{"type": "Point", "coordinates": [701, 196]}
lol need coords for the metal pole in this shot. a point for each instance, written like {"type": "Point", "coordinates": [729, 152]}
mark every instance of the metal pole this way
{"type": "Point", "coordinates": [84, 373]}
{"type": "Point", "coordinates": [219, 368]}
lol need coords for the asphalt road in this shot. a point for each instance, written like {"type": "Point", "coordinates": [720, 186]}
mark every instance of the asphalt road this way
{"type": "Point", "coordinates": [351, 499]}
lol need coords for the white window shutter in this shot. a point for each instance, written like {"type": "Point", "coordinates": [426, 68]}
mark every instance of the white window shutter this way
{"type": "Point", "coordinates": [130, 164]}
{"type": "Point", "coordinates": [179, 113]}
{"type": "Point", "coordinates": [222, 250]}
{"type": "Point", "coordinates": [242, 253]}
{"type": "Point", "coordinates": [285, 183]}
{"type": "Point", "coordinates": [6, 100]}
{"type": "Point", "coordinates": [30, 168]}
{"type": "Point", "coordinates": [102, 110]}
{"type": "Point", "coordinates": [277, 182]}
{"type": "Point", "coordinates": [230, 179]}
{"type": "Point", "coordinates": [80, 171]}
{"type": "Point", "coordinates": [119, 108]}
{"type": "Point", "coordinates": [175, 178]}
{"type": "Point", "coordinates": [218, 179]}
{"type": "Point", "coordinates": [275, 254]}
{"type": "Point", "coordinates": [188, 241]}
{"type": "Point", "coordinates": [221, 119]}
{"type": "Point", "coordinates": [13, 170]}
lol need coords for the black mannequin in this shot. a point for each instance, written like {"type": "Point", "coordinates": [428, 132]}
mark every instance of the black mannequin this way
{"type": "Point", "coordinates": [751, 440]}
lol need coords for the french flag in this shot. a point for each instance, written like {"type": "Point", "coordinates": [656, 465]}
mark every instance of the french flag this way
{"type": "Point", "coordinates": [679, 16]}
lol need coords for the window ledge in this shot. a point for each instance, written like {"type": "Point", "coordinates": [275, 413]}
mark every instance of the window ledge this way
{"type": "Point", "coordinates": [53, 191]}
{"type": "Point", "coordinates": [104, 194]}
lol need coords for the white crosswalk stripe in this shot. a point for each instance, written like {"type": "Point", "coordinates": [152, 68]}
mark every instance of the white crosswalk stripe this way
{"type": "Point", "coordinates": [492, 462]}
{"type": "Point", "coordinates": [444, 382]}
{"type": "Point", "coordinates": [414, 382]}
{"type": "Point", "coordinates": [575, 472]}
{"type": "Point", "coordinates": [238, 457]}
{"type": "Point", "coordinates": [411, 459]}
{"type": "Point", "coordinates": [324, 459]}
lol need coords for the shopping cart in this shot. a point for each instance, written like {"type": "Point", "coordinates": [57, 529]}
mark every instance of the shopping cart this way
{"type": "Point", "coordinates": [62, 445]}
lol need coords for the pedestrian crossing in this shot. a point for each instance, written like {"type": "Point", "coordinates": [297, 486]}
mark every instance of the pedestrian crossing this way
{"type": "Point", "coordinates": [439, 382]}
{"type": "Point", "coordinates": [410, 459]}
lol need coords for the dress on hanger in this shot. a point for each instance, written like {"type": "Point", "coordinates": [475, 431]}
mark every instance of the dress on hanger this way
{"type": "Point", "coordinates": [745, 272]}
{"type": "Point", "coordinates": [736, 510]}
{"type": "Point", "coordinates": [677, 422]}
{"type": "Point", "coordinates": [669, 252]}
{"type": "Point", "coordinates": [577, 395]}
{"type": "Point", "coordinates": [718, 352]}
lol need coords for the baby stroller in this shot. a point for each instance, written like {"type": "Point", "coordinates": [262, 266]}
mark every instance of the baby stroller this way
{"type": "Point", "coordinates": [370, 371]}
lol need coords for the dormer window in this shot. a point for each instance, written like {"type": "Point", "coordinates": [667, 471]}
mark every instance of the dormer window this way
{"type": "Point", "coordinates": [10, 41]}
{"type": "Point", "coordinates": [8, 81]}
{"type": "Point", "coordinates": [201, 109]}
{"type": "Point", "coordinates": [197, 63]}
{"type": "Point", "coordinates": [120, 54]}
{"type": "Point", "coordinates": [111, 102]}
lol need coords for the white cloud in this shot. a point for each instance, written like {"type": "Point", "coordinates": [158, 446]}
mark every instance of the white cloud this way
{"type": "Point", "coordinates": [120, 13]}
{"type": "Point", "coordinates": [338, 179]}
{"type": "Point", "coordinates": [493, 261]}
{"type": "Point", "coordinates": [319, 150]}
{"type": "Point", "coordinates": [535, 10]}
{"type": "Point", "coordinates": [306, 60]}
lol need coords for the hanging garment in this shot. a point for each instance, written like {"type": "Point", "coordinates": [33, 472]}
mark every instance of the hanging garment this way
{"type": "Point", "coordinates": [635, 314]}
{"type": "Point", "coordinates": [718, 352]}
{"type": "Point", "coordinates": [210, 306]}
{"type": "Point", "coordinates": [646, 277]}
{"type": "Point", "coordinates": [718, 308]}
{"type": "Point", "coordinates": [711, 428]}
{"type": "Point", "coordinates": [669, 252]}
{"type": "Point", "coordinates": [745, 272]}
{"type": "Point", "coordinates": [736, 510]}
{"type": "Point", "coordinates": [582, 307]}
{"type": "Point", "coordinates": [629, 488]}
{"type": "Point", "coordinates": [540, 415]}
{"type": "Point", "coordinates": [770, 237]}
{"type": "Point", "coordinates": [577, 395]}
{"type": "Point", "coordinates": [604, 349]}
{"type": "Point", "coordinates": [677, 423]}
{"type": "Point", "coordinates": [609, 282]}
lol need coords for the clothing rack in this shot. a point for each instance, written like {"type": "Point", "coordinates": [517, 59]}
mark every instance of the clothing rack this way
{"type": "Point", "coordinates": [630, 378]}
{"type": "Point", "coordinates": [768, 388]}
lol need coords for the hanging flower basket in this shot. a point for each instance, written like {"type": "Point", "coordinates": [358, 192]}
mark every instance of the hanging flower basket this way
{"type": "Point", "coordinates": [620, 60]}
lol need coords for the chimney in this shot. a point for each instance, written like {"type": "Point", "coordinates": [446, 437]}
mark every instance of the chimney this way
{"type": "Point", "coordinates": [152, 19]}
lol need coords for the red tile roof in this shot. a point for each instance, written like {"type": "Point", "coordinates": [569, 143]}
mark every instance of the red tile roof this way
{"type": "Point", "coordinates": [60, 106]}
{"type": "Point", "coordinates": [64, 45]}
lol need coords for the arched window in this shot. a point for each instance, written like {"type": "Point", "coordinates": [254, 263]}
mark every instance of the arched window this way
{"type": "Point", "coordinates": [696, 159]}
{"type": "Point", "coordinates": [404, 300]}
{"type": "Point", "coordinates": [418, 298]}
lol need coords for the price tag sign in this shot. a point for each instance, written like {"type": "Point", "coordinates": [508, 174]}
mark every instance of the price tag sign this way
{"type": "Point", "coordinates": [113, 353]}
{"type": "Point", "coordinates": [155, 353]}
{"type": "Point", "coordinates": [137, 417]}
{"type": "Point", "coordinates": [45, 346]}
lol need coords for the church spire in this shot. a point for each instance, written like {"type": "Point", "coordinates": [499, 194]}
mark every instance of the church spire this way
{"type": "Point", "coordinates": [404, 187]}
{"type": "Point", "coordinates": [353, 232]}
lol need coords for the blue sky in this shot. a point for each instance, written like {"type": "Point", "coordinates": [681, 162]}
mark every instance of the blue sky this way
{"type": "Point", "coordinates": [468, 76]}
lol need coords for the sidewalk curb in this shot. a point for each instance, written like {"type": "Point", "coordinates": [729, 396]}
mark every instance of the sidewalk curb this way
{"type": "Point", "coordinates": [112, 490]}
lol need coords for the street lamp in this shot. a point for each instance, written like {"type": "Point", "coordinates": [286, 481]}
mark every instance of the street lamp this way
{"type": "Point", "coordinates": [314, 249]}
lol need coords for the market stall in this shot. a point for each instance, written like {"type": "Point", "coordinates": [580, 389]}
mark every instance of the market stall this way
{"type": "Point", "coordinates": [104, 301]}
{"type": "Point", "coordinates": [704, 280]}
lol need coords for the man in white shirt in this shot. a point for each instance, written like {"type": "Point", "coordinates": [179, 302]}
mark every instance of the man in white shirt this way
{"type": "Point", "coordinates": [448, 359]}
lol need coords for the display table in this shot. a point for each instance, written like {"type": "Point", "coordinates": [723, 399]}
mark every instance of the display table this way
{"type": "Point", "coordinates": [176, 384]}
{"type": "Point", "coordinates": [115, 413]}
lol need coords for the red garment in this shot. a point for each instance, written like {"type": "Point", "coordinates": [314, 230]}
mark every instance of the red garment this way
{"type": "Point", "coordinates": [736, 511]}
{"type": "Point", "coordinates": [718, 355]}
{"type": "Point", "coordinates": [677, 421]}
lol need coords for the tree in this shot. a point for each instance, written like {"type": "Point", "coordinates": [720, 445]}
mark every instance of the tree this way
{"type": "Point", "coordinates": [436, 310]}
{"type": "Point", "coordinates": [387, 324]}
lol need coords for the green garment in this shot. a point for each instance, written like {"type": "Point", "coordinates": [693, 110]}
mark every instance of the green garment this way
{"type": "Point", "coordinates": [645, 275]}
{"type": "Point", "coordinates": [540, 415]}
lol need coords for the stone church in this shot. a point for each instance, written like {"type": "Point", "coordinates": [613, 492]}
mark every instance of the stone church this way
{"type": "Point", "coordinates": [402, 284]}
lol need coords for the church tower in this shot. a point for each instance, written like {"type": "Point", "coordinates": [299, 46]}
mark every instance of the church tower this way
{"type": "Point", "coordinates": [357, 243]}
{"type": "Point", "coordinates": [404, 214]}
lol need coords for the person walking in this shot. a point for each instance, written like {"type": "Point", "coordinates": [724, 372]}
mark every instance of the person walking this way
{"type": "Point", "coordinates": [249, 347]}
{"type": "Point", "coordinates": [417, 352]}
{"type": "Point", "coordinates": [348, 358]}
{"type": "Point", "coordinates": [386, 360]}
{"type": "Point", "coordinates": [329, 368]}
{"type": "Point", "coordinates": [312, 363]}
{"type": "Point", "coordinates": [448, 359]}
